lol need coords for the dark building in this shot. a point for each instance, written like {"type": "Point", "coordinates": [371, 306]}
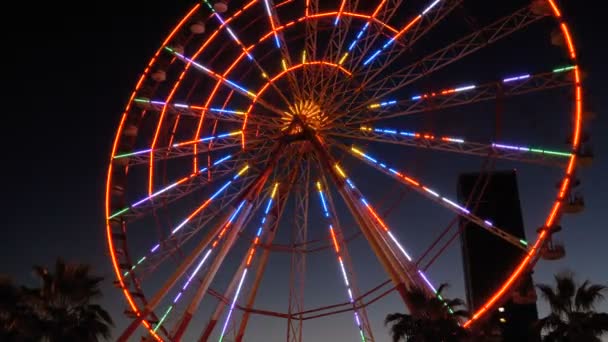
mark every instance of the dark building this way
{"type": "Point", "coordinates": [489, 260]}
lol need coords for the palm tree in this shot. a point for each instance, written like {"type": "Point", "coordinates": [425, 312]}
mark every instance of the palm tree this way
{"type": "Point", "coordinates": [573, 316]}
{"type": "Point", "coordinates": [436, 318]}
{"type": "Point", "coordinates": [17, 321]}
{"type": "Point", "coordinates": [64, 304]}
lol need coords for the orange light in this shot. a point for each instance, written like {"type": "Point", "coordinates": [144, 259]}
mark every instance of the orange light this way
{"type": "Point", "coordinates": [378, 9]}
{"type": "Point", "coordinates": [407, 27]}
{"type": "Point", "coordinates": [377, 218]}
{"type": "Point", "coordinates": [333, 237]}
{"type": "Point", "coordinates": [568, 40]}
{"type": "Point", "coordinates": [555, 9]}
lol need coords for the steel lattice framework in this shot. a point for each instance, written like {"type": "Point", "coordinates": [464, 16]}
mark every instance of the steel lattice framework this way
{"type": "Point", "coordinates": [250, 124]}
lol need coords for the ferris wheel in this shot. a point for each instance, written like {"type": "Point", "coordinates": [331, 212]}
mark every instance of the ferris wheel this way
{"type": "Point", "coordinates": [288, 131]}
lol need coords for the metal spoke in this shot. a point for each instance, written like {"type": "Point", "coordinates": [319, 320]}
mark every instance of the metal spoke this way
{"type": "Point", "coordinates": [187, 149]}
{"type": "Point", "coordinates": [397, 45]}
{"type": "Point", "coordinates": [344, 260]}
{"type": "Point", "coordinates": [236, 116]}
{"type": "Point", "coordinates": [402, 272]}
{"type": "Point", "coordinates": [245, 50]}
{"type": "Point", "coordinates": [335, 46]}
{"type": "Point", "coordinates": [430, 141]}
{"type": "Point", "coordinates": [170, 245]}
{"type": "Point", "coordinates": [435, 197]}
{"type": "Point", "coordinates": [273, 225]}
{"type": "Point", "coordinates": [226, 82]}
{"type": "Point", "coordinates": [220, 168]}
{"type": "Point", "coordinates": [464, 94]}
{"type": "Point", "coordinates": [281, 44]}
{"type": "Point", "coordinates": [457, 50]}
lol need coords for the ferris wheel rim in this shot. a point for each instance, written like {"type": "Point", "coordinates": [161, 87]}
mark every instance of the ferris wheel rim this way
{"type": "Point", "coordinates": [527, 262]}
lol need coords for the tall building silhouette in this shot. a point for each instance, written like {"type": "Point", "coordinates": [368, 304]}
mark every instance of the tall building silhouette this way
{"type": "Point", "coordinates": [489, 260]}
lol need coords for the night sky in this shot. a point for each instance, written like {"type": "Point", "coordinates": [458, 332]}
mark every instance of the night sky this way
{"type": "Point", "coordinates": [70, 72]}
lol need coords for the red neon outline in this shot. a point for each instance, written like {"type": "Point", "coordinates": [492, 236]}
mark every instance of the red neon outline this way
{"type": "Point", "coordinates": [120, 279]}
{"type": "Point", "coordinates": [532, 256]}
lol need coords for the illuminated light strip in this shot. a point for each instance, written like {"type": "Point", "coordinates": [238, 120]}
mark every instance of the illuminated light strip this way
{"type": "Point", "coordinates": [339, 256]}
{"type": "Point", "coordinates": [337, 20]}
{"type": "Point", "coordinates": [192, 107]}
{"type": "Point", "coordinates": [251, 253]}
{"type": "Point", "coordinates": [529, 259]}
{"type": "Point", "coordinates": [563, 69]}
{"type": "Point", "coordinates": [198, 268]}
{"type": "Point", "coordinates": [213, 74]}
{"type": "Point", "coordinates": [382, 104]}
{"type": "Point", "coordinates": [516, 78]}
{"type": "Point", "coordinates": [169, 187]}
{"type": "Point", "coordinates": [238, 291]}
{"type": "Point", "coordinates": [568, 40]}
{"type": "Point", "coordinates": [533, 150]}
{"type": "Point", "coordinates": [272, 25]}
{"type": "Point", "coordinates": [459, 141]}
{"type": "Point", "coordinates": [401, 32]}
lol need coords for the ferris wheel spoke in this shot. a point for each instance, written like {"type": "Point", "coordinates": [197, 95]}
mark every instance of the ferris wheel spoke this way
{"type": "Point", "coordinates": [171, 245]}
{"type": "Point", "coordinates": [335, 45]}
{"type": "Point", "coordinates": [435, 197]}
{"type": "Point", "coordinates": [209, 113]}
{"type": "Point", "coordinates": [397, 263]}
{"type": "Point", "coordinates": [195, 221]}
{"type": "Point", "coordinates": [341, 249]}
{"type": "Point", "coordinates": [184, 186]}
{"type": "Point", "coordinates": [272, 224]}
{"type": "Point", "coordinates": [248, 200]}
{"type": "Point", "coordinates": [309, 52]}
{"type": "Point", "coordinates": [428, 17]}
{"type": "Point", "coordinates": [459, 49]}
{"type": "Point", "coordinates": [234, 287]}
{"type": "Point", "coordinates": [357, 47]}
{"type": "Point", "coordinates": [371, 64]}
{"type": "Point", "coordinates": [363, 41]}
{"type": "Point", "coordinates": [267, 231]}
{"type": "Point", "coordinates": [464, 94]}
{"type": "Point", "coordinates": [246, 204]}
{"type": "Point", "coordinates": [226, 82]}
{"type": "Point", "coordinates": [281, 44]}
{"type": "Point", "coordinates": [245, 50]}
{"type": "Point", "coordinates": [186, 149]}
{"type": "Point", "coordinates": [430, 141]}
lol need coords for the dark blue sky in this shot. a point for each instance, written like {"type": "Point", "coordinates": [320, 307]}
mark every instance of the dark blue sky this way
{"type": "Point", "coordinates": [69, 75]}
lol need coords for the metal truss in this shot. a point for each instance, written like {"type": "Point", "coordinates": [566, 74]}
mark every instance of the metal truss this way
{"type": "Point", "coordinates": [455, 145]}
{"type": "Point", "coordinates": [447, 98]}
{"type": "Point", "coordinates": [457, 50]}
